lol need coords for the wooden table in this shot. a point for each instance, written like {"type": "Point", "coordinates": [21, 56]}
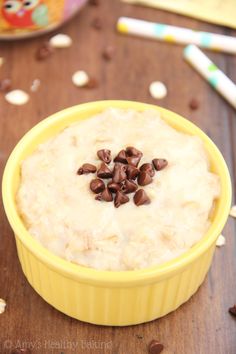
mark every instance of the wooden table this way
{"type": "Point", "coordinates": [202, 325]}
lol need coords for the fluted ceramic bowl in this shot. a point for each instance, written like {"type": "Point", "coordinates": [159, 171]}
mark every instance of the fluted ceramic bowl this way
{"type": "Point", "coordinates": [108, 297]}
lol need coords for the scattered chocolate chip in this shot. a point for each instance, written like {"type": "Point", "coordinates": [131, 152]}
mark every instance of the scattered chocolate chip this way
{"type": "Point", "coordinates": [21, 351]}
{"type": "Point", "coordinates": [92, 83]}
{"type": "Point", "coordinates": [113, 187]}
{"type": "Point", "coordinates": [108, 53]}
{"type": "Point", "coordinates": [132, 172]}
{"type": "Point", "coordinates": [141, 198]}
{"type": "Point", "coordinates": [148, 167]}
{"type": "Point", "coordinates": [132, 151]}
{"type": "Point", "coordinates": [121, 157]}
{"type": "Point", "coordinates": [104, 155]}
{"type": "Point", "coordinates": [104, 171]}
{"type": "Point", "coordinates": [105, 195]}
{"type": "Point", "coordinates": [97, 185]}
{"type": "Point", "coordinates": [94, 2]}
{"type": "Point", "coordinates": [129, 186]}
{"type": "Point", "coordinates": [97, 23]}
{"type": "Point", "coordinates": [155, 347]}
{"type": "Point", "coordinates": [144, 178]}
{"type": "Point", "coordinates": [44, 51]}
{"type": "Point", "coordinates": [120, 198]}
{"type": "Point", "coordinates": [232, 310]}
{"type": "Point", "coordinates": [119, 173]}
{"type": "Point", "coordinates": [86, 168]}
{"type": "Point", "coordinates": [5, 85]}
{"type": "Point", "coordinates": [194, 104]}
{"type": "Point", "coordinates": [139, 336]}
{"type": "Point", "coordinates": [134, 160]}
{"type": "Point", "coordinates": [159, 164]}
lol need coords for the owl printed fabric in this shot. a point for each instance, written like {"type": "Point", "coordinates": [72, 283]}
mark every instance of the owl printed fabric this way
{"type": "Point", "coordinates": [25, 16]}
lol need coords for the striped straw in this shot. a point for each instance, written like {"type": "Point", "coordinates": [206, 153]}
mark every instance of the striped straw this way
{"type": "Point", "coordinates": [216, 78]}
{"type": "Point", "coordinates": [175, 34]}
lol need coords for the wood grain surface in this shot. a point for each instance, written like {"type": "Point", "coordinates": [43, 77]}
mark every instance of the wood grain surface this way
{"type": "Point", "coordinates": [202, 325]}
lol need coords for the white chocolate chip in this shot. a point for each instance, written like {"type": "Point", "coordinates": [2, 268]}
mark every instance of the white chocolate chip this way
{"type": "Point", "coordinates": [233, 211]}
{"type": "Point", "coordinates": [157, 90]}
{"type": "Point", "coordinates": [35, 85]}
{"type": "Point", "coordinates": [17, 97]}
{"type": "Point", "coordinates": [2, 305]}
{"type": "Point", "coordinates": [220, 241]}
{"type": "Point", "coordinates": [80, 78]}
{"type": "Point", "coordinates": [1, 61]}
{"type": "Point", "coordinates": [60, 41]}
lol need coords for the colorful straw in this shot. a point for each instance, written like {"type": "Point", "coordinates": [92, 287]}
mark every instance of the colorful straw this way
{"type": "Point", "coordinates": [216, 78]}
{"type": "Point", "coordinates": [176, 34]}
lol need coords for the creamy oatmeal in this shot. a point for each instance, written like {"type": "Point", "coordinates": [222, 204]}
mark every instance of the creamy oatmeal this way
{"type": "Point", "coordinates": [61, 211]}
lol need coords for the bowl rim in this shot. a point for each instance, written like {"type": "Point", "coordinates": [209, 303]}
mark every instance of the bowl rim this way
{"type": "Point", "coordinates": [103, 277]}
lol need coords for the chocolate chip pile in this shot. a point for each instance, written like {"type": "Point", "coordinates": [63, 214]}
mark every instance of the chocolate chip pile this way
{"type": "Point", "coordinates": [125, 178]}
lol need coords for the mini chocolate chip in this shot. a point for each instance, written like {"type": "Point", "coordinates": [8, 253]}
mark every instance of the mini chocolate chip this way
{"type": "Point", "coordinates": [155, 347]}
{"type": "Point", "coordinates": [21, 351]}
{"type": "Point", "coordinates": [97, 23]}
{"type": "Point", "coordinates": [132, 151]}
{"type": "Point", "coordinates": [94, 2]}
{"type": "Point", "coordinates": [86, 168]}
{"type": "Point", "coordinates": [159, 164]}
{"type": "Point", "coordinates": [148, 167]}
{"type": "Point", "coordinates": [92, 83]}
{"type": "Point", "coordinates": [132, 172]}
{"type": "Point", "coordinates": [97, 185]}
{"type": "Point", "coordinates": [119, 174]}
{"type": "Point", "coordinates": [134, 160]}
{"type": "Point", "coordinates": [105, 195]}
{"type": "Point", "coordinates": [129, 186]}
{"type": "Point", "coordinates": [44, 51]}
{"type": "Point", "coordinates": [121, 157]}
{"type": "Point", "coordinates": [108, 53]}
{"type": "Point", "coordinates": [144, 178]}
{"type": "Point", "coordinates": [104, 155]}
{"type": "Point", "coordinates": [141, 198]}
{"type": "Point", "coordinates": [5, 85]}
{"type": "Point", "coordinates": [120, 198]}
{"type": "Point", "coordinates": [194, 104]}
{"type": "Point", "coordinates": [113, 187]}
{"type": "Point", "coordinates": [104, 171]}
{"type": "Point", "coordinates": [232, 310]}
{"type": "Point", "coordinates": [139, 336]}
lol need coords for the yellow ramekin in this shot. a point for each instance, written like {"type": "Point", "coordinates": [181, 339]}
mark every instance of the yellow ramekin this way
{"type": "Point", "coordinates": [107, 297]}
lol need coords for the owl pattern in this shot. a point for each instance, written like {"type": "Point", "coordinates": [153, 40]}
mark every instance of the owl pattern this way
{"type": "Point", "coordinates": [25, 13]}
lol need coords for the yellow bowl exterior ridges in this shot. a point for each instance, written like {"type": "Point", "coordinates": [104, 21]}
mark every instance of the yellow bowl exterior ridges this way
{"type": "Point", "coordinates": [107, 297]}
